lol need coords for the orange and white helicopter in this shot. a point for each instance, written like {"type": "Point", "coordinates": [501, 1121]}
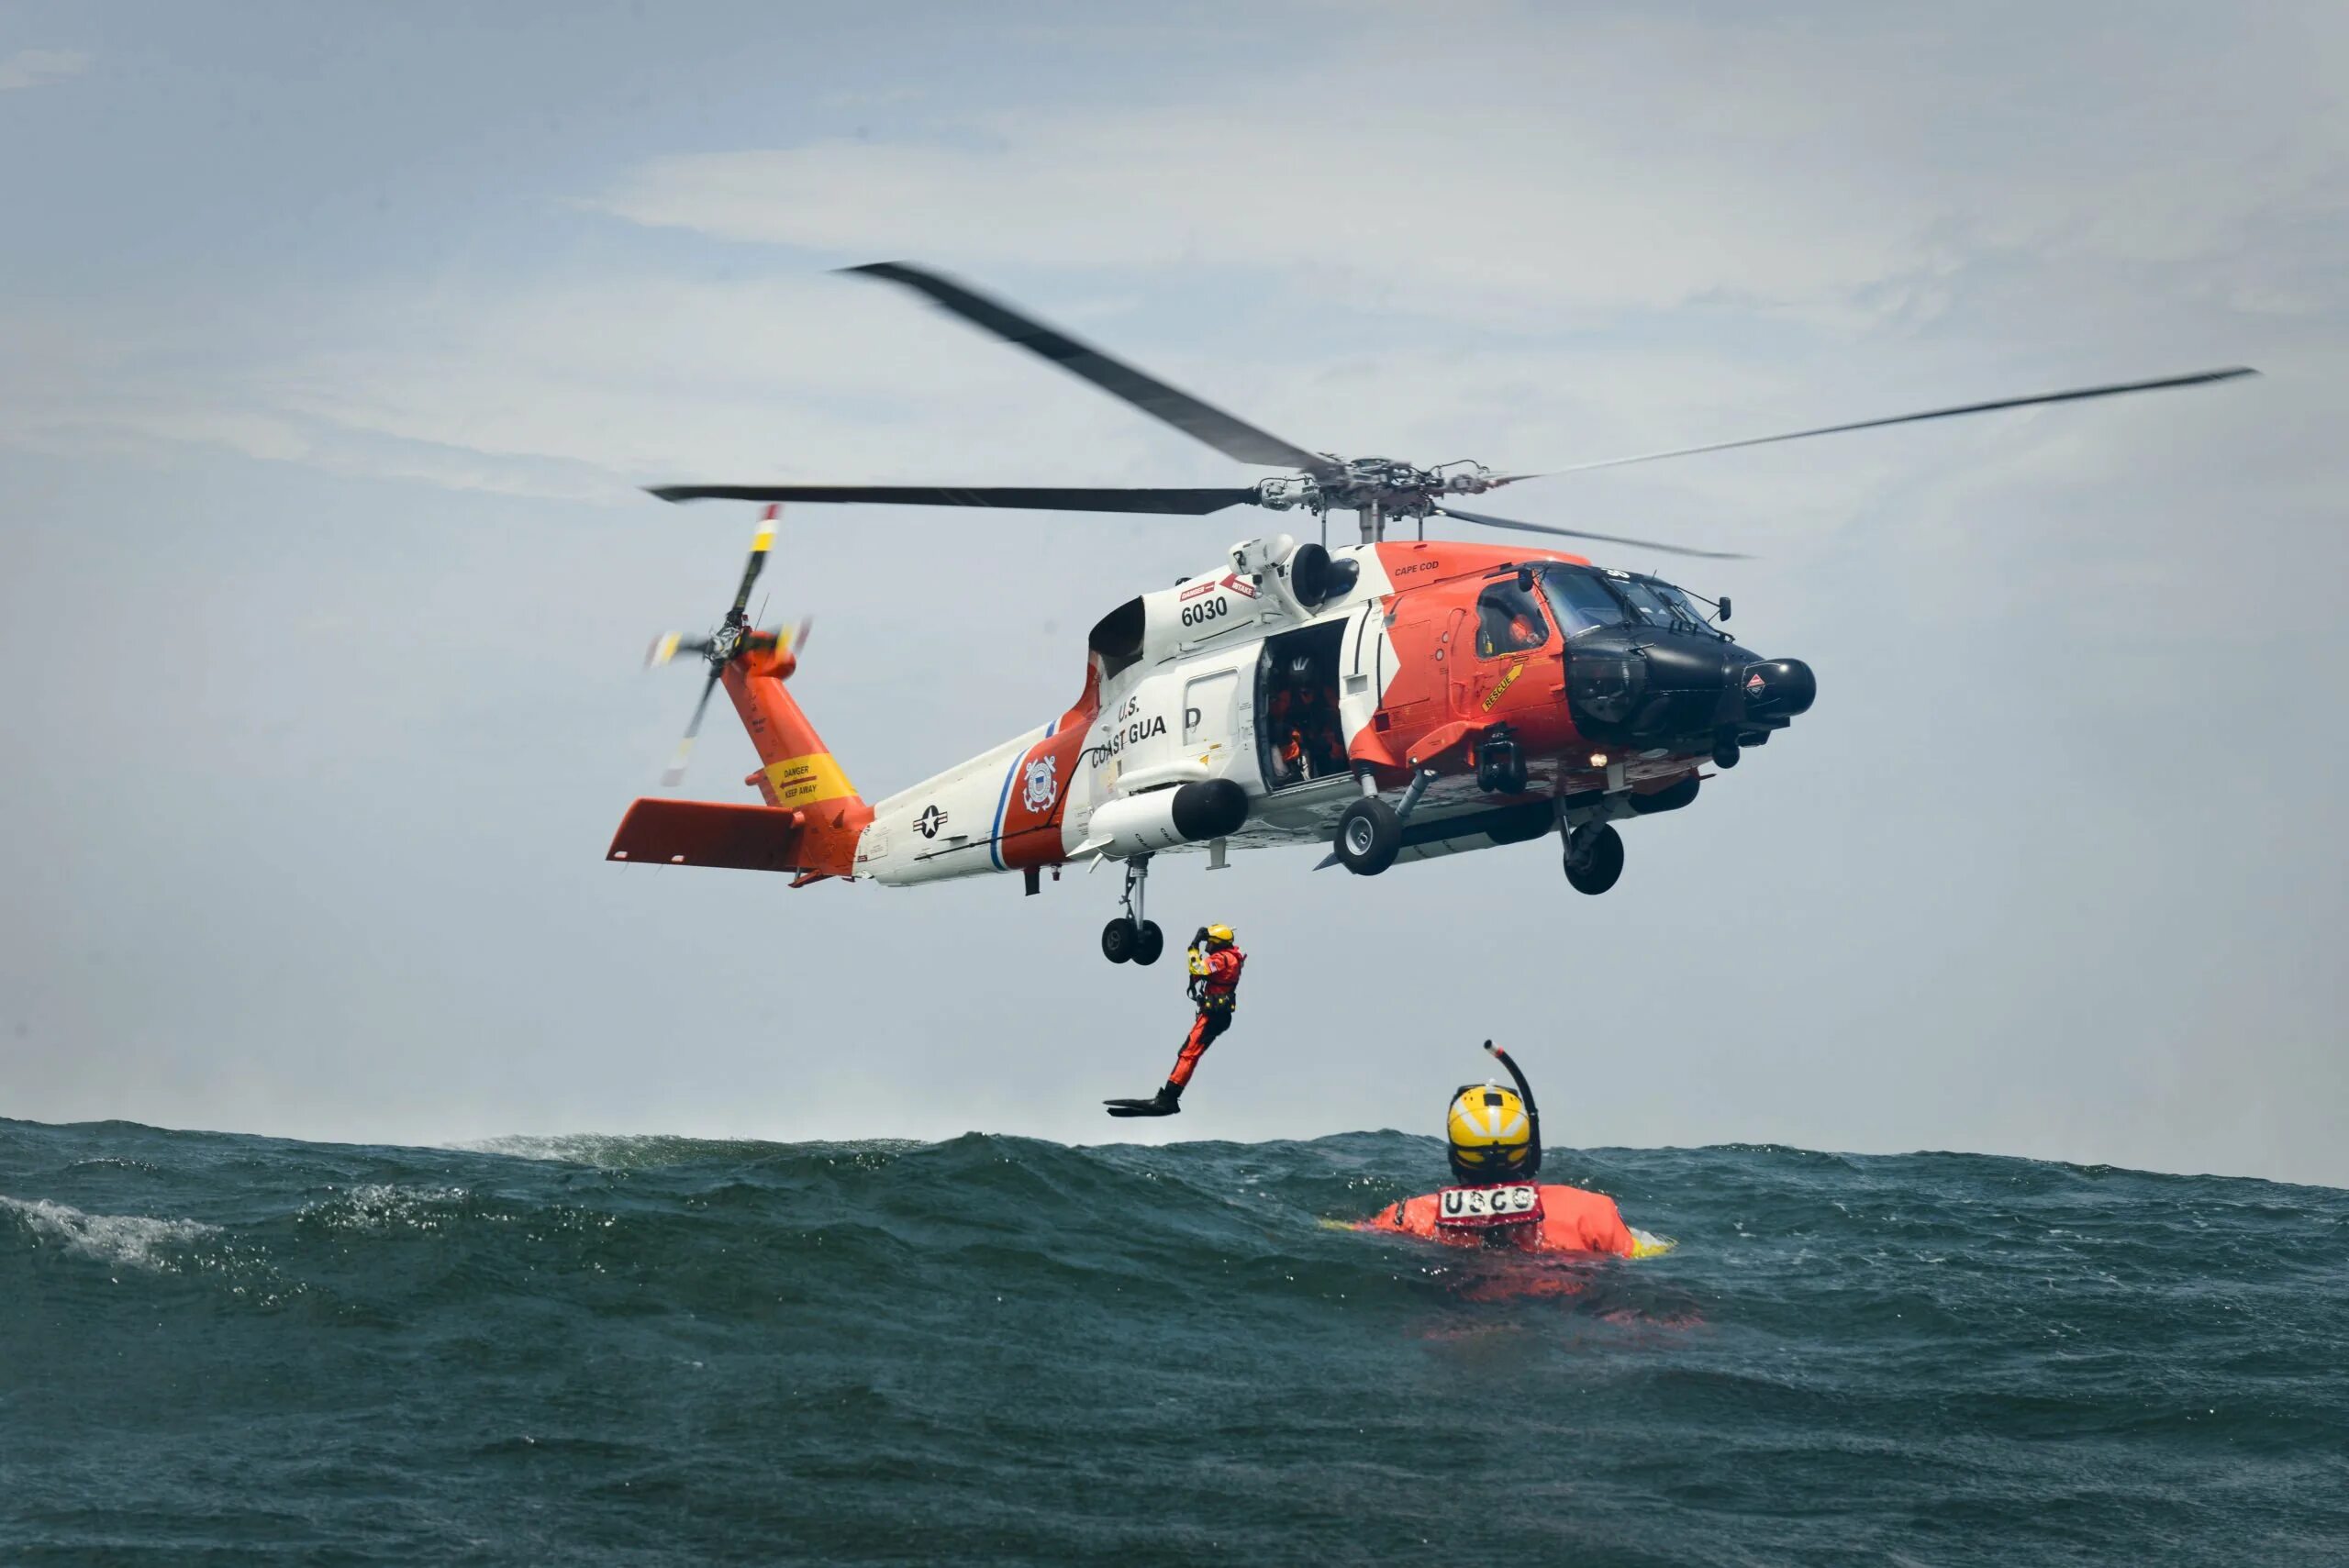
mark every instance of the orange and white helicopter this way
{"type": "Point", "coordinates": [1393, 699]}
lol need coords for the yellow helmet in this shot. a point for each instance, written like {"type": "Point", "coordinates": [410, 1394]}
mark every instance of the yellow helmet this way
{"type": "Point", "coordinates": [1220, 934]}
{"type": "Point", "coordinates": [1489, 1135]}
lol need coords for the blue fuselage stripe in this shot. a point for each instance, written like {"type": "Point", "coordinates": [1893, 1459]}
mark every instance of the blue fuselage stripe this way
{"type": "Point", "coordinates": [1003, 801]}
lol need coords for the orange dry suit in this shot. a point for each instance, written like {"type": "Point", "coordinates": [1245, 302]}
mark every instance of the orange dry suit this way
{"type": "Point", "coordinates": [1214, 984]}
{"type": "Point", "coordinates": [1572, 1220]}
{"type": "Point", "coordinates": [1300, 723]}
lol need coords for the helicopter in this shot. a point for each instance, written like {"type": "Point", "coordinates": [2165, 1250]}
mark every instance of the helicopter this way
{"type": "Point", "coordinates": [1394, 699]}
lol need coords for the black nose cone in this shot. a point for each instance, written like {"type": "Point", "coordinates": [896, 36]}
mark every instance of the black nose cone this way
{"type": "Point", "coordinates": [1777, 688]}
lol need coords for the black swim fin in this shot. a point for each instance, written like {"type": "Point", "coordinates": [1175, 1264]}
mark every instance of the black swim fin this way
{"type": "Point", "coordinates": [1161, 1104]}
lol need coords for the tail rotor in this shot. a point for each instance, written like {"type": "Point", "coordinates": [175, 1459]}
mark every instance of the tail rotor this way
{"type": "Point", "coordinates": [733, 638]}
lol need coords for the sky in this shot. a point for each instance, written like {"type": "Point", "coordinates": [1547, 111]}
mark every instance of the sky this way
{"type": "Point", "coordinates": [335, 342]}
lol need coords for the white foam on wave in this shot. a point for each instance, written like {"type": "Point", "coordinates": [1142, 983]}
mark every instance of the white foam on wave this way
{"type": "Point", "coordinates": [612, 1150]}
{"type": "Point", "coordinates": [383, 1205]}
{"type": "Point", "coordinates": [568, 1148]}
{"type": "Point", "coordinates": [617, 1151]}
{"type": "Point", "coordinates": [116, 1239]}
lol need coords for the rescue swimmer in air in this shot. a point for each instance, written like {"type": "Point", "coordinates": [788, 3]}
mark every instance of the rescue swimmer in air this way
{"type": "Point", "coordinates": [1493, 1140]}
{"type": "Point", "coordinates": [1215, 961]}
{"type": "Point", "coordinates": [1392, 700]}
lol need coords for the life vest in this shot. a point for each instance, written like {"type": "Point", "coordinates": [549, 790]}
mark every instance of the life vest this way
{"type": "Point", "coordinates": [1217, 975]}
{"type": "Point", "coordinates": [1566, 1220]}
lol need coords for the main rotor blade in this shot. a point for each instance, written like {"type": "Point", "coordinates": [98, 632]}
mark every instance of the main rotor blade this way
{"type": "Point", "coordinates": [760, 542]}
{"type": "Point", "coordinates": [676, 772]}
{"type": "Point", "coordinates": [2196, 378]}
{"type": "Point", "coordinates": [1492, 522]}
{"type": "Point", "coordinates": [1191, 502]}
{"type": "Point", "coordinates": [1232, 437]}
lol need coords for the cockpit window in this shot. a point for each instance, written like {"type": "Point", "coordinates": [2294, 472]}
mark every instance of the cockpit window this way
{"type": "Point", "coordinates": [1660, 604]}
{"type": "Point", "coordinates": [1677, 601]}
{"type": "Point", "coordinates": [1646, 603]}
{"type": "Point", "coordinates": [1508, 620]}
{"type": "Point", "coordinates": [1580, 600]}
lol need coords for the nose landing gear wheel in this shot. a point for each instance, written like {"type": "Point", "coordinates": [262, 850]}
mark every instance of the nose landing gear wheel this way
{"type": "Point", "coordinates": [1149, 942]}
{"type": "Point", "coordinates": [1594, 858]}
{"type": "Point", "coordinates": [1369, 834]}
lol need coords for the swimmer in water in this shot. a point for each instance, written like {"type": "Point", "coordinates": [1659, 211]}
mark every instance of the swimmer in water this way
{"type": "Point", "coordinates": [1494, 1141]}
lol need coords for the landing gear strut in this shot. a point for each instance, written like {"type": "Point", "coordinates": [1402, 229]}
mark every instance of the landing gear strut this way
{"type": "Point", "coordinates": [1130, 939]}
{"type": "Point", "coordinates": [1594, 857]}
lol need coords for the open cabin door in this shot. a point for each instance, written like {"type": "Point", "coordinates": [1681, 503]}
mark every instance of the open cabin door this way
{"type": "Point", "coordinates": [1300, 738]}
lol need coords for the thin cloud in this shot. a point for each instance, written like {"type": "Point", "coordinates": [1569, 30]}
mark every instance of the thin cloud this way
{"type": "Point", "coordinates": [1593, 168]}
{"type": "Point", "coordinates": [39, 67]}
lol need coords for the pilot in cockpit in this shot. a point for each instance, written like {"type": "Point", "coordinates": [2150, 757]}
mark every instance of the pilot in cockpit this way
{"type": "Point", "coordinates": [1507, 622]}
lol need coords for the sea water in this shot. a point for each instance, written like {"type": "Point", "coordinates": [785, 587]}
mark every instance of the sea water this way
{"type": "Point", "coordinates": [638, 1351]}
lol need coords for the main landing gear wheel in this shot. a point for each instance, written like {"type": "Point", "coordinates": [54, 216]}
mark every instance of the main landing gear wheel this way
{"type": "Point", "coordinates": [1369, 834]}
{"type": "Point", "coordinates": [1130, 939]}
{"type": "Point", "coordinates": [1594, 858]}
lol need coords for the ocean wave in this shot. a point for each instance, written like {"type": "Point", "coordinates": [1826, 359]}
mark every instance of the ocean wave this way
{"type": "Point", "coordinates": [624, 1152]}
{"type": "Point", "coordinates": [134, 1241]}
{"type": "Point", "coordinates": [617, 1349]}
{"type": "Point", "coordinates": [388, 1206]}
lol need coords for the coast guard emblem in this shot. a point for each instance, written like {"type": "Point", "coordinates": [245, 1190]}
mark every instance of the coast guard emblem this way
{"type": "Point", "coordinates": [1043, 783]}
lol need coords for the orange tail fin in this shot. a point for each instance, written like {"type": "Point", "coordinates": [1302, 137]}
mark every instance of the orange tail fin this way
{"type": "Point", "coordinates": [813, 816]}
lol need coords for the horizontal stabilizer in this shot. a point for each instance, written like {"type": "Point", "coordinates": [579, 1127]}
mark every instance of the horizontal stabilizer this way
{"type": "Point", "coordinates": [709, 833]}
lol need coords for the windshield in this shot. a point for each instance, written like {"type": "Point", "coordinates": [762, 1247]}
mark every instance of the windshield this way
{"type": "Point", "coordinates": [1659, 604]}
{"type": "Point", "coordinates": [1646, 604]}
{"type": "Point", "coordinates": [1678, 602]}
{"type": "Point", "coordinates": [1580, 600]}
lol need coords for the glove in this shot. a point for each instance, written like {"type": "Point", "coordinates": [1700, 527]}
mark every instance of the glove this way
{"type": "Point", "coordinates": [1201, 939]}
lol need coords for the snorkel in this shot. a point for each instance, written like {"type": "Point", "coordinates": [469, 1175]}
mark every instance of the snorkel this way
{"type": "Point", "coordinates": [1533, 1113]}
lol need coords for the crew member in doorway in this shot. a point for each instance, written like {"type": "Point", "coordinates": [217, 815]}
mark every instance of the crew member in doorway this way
{"type": "Point", "coordinates": [1302, 723]}
{"type": "Point", "coordinates": [1215, 965]}
{"type": "Point", "coordinates": [1494, 1141]}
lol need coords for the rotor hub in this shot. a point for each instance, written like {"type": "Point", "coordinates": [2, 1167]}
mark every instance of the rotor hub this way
{"type": "Point", "coordinates": [726, 642]}
{"type": "Point", "coordinates": [1384, 487]}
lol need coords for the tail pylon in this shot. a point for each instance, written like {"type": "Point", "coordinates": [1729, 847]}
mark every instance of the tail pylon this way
{"type": "Point", "coordinates": [813, 816]}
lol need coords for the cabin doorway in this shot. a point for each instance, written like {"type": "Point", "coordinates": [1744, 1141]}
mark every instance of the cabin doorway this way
{"type": "Point", "coordinates": [1299, 735]}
